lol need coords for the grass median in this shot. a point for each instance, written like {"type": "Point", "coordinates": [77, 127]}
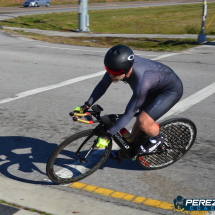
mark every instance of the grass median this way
{"type": "Point", "coordinates": [174, 19]}
{"type": "Point", "coordinates": [147, 44]}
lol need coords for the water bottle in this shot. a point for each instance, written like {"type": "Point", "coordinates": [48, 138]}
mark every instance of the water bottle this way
{"type": "Point", "coordinates": [126, 135]}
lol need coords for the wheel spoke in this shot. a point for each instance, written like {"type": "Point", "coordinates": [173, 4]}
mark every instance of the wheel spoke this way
{"type": "Point", "coordinates": [65, 167]}
{"type": "Point", "coordinates": [179, 136]}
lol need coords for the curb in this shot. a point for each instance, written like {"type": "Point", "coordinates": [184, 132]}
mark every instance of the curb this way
{"type": "Point", "coordinates": [79, 34]}
{"type": "Point", "coordinates": [129, 197]}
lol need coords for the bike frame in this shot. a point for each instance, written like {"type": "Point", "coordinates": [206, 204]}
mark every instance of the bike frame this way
{"type": "Point", "coordinates": [107, 121]}
{"type": "Point", "coordinates": [126, 148]}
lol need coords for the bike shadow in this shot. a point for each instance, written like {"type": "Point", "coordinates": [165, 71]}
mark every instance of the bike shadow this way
{"type": "Point", "coordinates": [24, 159]}
{"type": "Point", "coordinates": [125, 165]}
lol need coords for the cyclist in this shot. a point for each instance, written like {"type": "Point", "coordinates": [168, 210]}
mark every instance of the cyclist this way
{"type": "Point", "coordinates": [156, 89]}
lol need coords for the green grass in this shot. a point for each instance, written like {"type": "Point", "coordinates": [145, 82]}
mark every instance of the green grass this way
{"type": "Point", "coordinates": [178, 19]}
{"type": "Point", "coordinates": [158, 44]}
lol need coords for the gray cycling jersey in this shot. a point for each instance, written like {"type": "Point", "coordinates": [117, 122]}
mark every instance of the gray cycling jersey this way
{"type": "Point", "coordinates": [147, 77]}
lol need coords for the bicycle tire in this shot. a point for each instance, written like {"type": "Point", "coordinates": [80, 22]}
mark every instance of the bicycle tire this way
{"type": "Point", "coordinates": [67, 172]}
{"type": "Point", "coordinates": [180, 134]}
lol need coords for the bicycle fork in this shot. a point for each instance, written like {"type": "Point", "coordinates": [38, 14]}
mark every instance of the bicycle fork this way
{"type": "Point", "coordinates": [83, 160]}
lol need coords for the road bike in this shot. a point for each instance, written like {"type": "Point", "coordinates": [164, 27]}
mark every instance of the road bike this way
{"type": "Point", "coordinates": [77, 157]}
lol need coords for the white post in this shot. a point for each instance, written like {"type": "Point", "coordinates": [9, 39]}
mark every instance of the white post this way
{"type": "Point", "coordinates": [83, 16]}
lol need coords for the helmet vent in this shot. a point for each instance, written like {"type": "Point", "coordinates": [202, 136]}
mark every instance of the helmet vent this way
{"type": "Point", "coordinates": [115, 53]}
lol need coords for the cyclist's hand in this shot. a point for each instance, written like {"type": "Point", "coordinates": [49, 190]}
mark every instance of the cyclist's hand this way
{"type": "Point", "coordinates": [104, 140]}
{"type": "Point", "coordinates": [81, 109]}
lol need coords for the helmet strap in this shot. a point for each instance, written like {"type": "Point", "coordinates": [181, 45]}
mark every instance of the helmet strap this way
{"type": "Point", "coordinates": [124, 78]}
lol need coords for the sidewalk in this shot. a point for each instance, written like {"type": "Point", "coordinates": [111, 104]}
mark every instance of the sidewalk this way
{"type": "Point", "coordinates": [75, 34]}
{"type": "Point", "coordinates": [57, 202]}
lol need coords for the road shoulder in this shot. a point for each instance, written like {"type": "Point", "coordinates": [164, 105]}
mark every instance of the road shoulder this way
{"type": "Point", "coordinates": [58, 202]}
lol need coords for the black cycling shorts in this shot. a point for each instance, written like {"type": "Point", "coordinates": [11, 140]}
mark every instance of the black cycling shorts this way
{"type": "Point", "coordinates": [157, 104]}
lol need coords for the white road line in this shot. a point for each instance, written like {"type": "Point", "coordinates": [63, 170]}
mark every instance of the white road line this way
{"type": "Point", "coordinates": [190, 101]}
{"type": "Point", "coordinates": [53, 47]}
{"type": "Point", "coordinates": [166, 55]}
{"type": "Point", "coordinates": [62, 84]}
{"type": "Point", "coordinates": [51, 87]}
{"type": "Point", "coordinates": [147, 55]}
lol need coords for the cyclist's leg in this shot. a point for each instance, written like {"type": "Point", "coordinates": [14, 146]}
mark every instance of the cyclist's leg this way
{"type": "Point", "coordinates": [153, 108]}
{"type": "Point", "coordinates": [156, 105]}
{"type": "Point", "coordinates": [136, 131]}
{"type": "Point", "coordinates": [160, 105]}
{"type": "Point", "coordinates": [146, 120]}
{"type": "Point", "coordinates": [147, 124]}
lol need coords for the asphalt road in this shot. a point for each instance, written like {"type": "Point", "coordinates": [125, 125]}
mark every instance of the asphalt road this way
{"type": "Point", "coordinates": [6, 13]}
{"type": "Point", "coordinates": [7, 210]}
{"type": "Point", "coordinates": [32, 126]}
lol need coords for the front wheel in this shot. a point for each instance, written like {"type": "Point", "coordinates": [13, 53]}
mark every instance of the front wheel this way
{"type": "Point", "coordinates": [180, 134]}
{"type": "Point", "coordinates": [47, 4]}
{"type": "Point", "coordinates": [64, 166]}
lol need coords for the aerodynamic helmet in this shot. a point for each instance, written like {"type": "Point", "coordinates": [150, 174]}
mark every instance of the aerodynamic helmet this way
{"type": "Point", "coordinates": [119, 60]}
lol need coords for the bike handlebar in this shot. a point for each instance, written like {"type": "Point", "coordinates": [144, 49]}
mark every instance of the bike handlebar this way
{"type": "Point", "coordinates": [96, 115]}
{"type": "Point", "coordinates": [79, 114]}
{"type": "Point", "coordinates": [74, 114]}
{"type": "Point", "coordinates": [83, 121]}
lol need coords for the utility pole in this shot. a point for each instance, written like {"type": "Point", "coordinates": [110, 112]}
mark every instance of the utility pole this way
{"type": "Point", "coordinates": [202, 37]}
{"type": "Point", "coordinates": [83, 16]}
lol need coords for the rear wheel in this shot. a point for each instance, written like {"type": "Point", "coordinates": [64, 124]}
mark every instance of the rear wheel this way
{"type": "Point", "coordinates": [180, 135]}
{"type": "Point", "coordinates": [65, 167]}
{"type": "Point", "coordinates": [47, 4]}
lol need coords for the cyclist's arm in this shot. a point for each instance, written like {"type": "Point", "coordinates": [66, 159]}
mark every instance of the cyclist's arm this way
{"type": "Point", "coordinates": [100, 89]}
{"type": "Point", "coordinates": [126, 117]}
{"type": "Point", "coordinates": [140, 92]}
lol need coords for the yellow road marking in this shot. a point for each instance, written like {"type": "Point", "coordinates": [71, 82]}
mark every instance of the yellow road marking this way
{"type": "Point", "coordinates": [139, 199]}
{"type": "Point", "coordinates": [103, 191]}
{"type": "Point", "coordinates": [78, 185]}
{"type": "Point", "coordinates": [152, 202]}
{"type": "Point", "coordinates": [118, 195]}
{"type": "Point", "coordinates": [129, 197]}
{"type": "Point", "coordinates": [165, 206]}
{"type": "Point", "coordinates": [89, 188]}
{"type": "Point", "coordinates": [198, 212]}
